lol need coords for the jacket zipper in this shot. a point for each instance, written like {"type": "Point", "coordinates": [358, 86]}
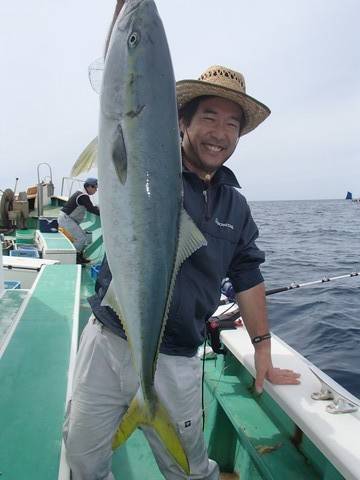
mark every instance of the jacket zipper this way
{"type": "Point", "coordinates": [207, 205]}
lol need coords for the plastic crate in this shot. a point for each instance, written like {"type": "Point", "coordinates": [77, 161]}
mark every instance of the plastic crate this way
{"type": "Point", "coordinates": [24, 252]}
{"type": "Point", "coordinates": [11, 284]}
{"type": "Point", "coordinates": [25, 246]}
{"type": "Point", "coordinates": [94, 271]}
{"type": "Point", "coordinates": [25, 236]}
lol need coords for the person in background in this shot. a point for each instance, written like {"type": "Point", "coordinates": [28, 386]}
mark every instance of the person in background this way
{"type": "Point", "coordinates": [73, 213]}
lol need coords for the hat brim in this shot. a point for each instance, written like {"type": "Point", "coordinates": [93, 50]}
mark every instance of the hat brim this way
{"type": "Point", "coordinates": [255, 112]}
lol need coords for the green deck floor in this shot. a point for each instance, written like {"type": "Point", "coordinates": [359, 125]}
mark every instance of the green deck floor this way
{"type": "Point", "coordinates": [33, 379]}
{"type": "Point", "coordinates": [10, 304]}
{"type": "Point", "coordinates": [245, 432]}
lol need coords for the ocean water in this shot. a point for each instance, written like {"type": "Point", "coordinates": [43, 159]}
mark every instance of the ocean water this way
{"type": "Point", "coordinates": [306, 241]}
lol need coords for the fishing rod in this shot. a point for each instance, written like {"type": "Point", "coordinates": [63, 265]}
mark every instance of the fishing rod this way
{"type": "Point", "coordinates": [294, 285]}
{"type": "Point", "coordinates": [232, 320]}
{"type": "Point", "coordinates": [228, 290]}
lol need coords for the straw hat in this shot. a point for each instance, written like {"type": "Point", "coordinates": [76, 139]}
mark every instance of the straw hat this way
{"type": "Point", "coordinates": [223, 82]}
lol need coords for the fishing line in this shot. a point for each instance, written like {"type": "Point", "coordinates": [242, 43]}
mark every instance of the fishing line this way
{"type": "Point", "coordinates": [215, 385]}
{"type": "Point", "coordinates": [203, 373]}
{"type": "Point", "coordinates": [202, 386]}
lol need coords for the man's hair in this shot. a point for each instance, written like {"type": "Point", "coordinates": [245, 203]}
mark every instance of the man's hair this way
{"type": "Point", "coordinates": [189, 109]}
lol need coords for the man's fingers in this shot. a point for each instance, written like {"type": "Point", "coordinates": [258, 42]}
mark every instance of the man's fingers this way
{"type": "Point", "coordinates": [281, 376]}
{"type": "Point", "coordinates": [286, 381]}
{"type": "Point", "coordinates": [285, 371]}
{"type": "Point", "coordinates": [259, 381]}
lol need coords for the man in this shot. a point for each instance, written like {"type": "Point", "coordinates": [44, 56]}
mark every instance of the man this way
{"type": "Point", "coordinates": [214, 112]}
{"type": "Point", "coordinates": [73, 213]}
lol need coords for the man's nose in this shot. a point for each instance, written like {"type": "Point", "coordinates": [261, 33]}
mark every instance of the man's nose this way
{"type": "Point", "coordinates": [219, 132]}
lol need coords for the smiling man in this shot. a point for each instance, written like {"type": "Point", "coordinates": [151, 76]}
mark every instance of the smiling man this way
{"type": "Point", "coordinates": [214, 130]}
{"type": "Point", "coordinates": [214, 112]}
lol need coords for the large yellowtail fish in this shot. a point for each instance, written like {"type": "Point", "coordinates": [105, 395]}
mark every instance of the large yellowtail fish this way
{"type": "Point", "coordinates": [147, 234]}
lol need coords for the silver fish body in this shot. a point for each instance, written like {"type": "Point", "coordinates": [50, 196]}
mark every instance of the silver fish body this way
{"type": "Point", "coordinates": [138, 137]}
{"type": "Point", "coordinates": [146, 232]}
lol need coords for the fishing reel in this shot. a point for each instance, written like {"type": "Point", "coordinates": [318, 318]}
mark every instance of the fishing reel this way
{"type": "Point", "coordinates": [224, 321]}
{"type": "Point", "coordinates": [215, 325]}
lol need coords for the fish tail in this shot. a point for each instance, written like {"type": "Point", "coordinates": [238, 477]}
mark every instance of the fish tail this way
{"type": "Point", "coordinates": [139, 414]}
{"type": "Point", "coordinates": [86, 160]}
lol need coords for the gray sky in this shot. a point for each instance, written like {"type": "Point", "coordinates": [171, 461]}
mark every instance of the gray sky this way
{"type": "Point", "coordinates": [300, 57]}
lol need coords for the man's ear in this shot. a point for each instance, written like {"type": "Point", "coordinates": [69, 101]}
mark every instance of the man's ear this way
{"type": "Point", "coordinates": [182, 126]}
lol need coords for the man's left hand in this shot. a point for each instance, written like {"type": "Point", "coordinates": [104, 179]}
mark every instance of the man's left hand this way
{"type": "Point", "coordinates": [265, 369]}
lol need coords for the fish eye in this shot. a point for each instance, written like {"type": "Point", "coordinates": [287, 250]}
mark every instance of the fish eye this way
{"type": "Point", "coordinates": [133, 39]}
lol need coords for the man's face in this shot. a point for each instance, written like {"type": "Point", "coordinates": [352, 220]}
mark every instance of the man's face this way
{"type": "Point", "coordinates": [91, 189]}
{"type": "Point", "coordinates": [212, 135]}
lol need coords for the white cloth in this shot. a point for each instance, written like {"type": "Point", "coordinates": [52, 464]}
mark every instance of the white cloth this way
{"type": "Point", "coordinates": [104, 384]}
{"type": "Point", "coordinates": [78, 234]}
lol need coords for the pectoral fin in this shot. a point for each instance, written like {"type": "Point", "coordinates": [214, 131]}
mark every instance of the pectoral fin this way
{"type": "Point", "coordinates": [119, 156]}
{"type": "Point", "coordinates": [110, 300]}
{"type": "Point", "coordinates": [86, 160]}
{"type": "Point", "coordinates": [190, 240]}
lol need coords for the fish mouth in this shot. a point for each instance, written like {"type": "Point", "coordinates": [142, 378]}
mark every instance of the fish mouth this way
{"type": "Point", "coordinates": [129, 7]}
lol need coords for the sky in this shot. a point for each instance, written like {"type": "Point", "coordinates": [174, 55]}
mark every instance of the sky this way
{"type": "Point", "coordinates": [299, 57]}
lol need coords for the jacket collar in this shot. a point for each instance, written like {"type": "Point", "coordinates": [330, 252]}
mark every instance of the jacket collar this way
{"type": "Point", "coordinates": [223, 176]}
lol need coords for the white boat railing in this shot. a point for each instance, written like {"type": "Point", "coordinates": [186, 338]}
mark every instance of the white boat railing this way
{"type": "Point", "coordinates": [67, 185]}
{"type": "Point", "coordinates": [336, 436]}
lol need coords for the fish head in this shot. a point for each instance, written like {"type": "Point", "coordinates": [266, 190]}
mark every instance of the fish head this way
{"type": "Point", "coordinates": [136, 51]}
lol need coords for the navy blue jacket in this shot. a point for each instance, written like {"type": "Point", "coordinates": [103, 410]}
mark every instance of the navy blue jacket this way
{"type": "Point", "coordinates": [223, 216]}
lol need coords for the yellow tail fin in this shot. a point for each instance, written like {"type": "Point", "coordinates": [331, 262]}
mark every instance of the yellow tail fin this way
{"type": "Point", "coordinates": [139, 414]}
{"type": "Point", "coordinates": [86, 160]}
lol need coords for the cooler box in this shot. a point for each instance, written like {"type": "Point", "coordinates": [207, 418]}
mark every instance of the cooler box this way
{"type": "Point", "coordinates": [48, 225]}
{"type": "Point", "coordinates": [25, 236]}
{"type": "Point", "coordinates": [25, 252]}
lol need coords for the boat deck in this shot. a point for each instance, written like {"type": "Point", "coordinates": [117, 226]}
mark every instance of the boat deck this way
{"type": "Point", "coordinates": [34, 376]}
{"type": "Point", "coordinates": [249, 434]}
{"type": "Point", "coordinates": [10, 303]}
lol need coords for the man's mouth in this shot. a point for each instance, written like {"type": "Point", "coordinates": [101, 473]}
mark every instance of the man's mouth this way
{"type": "Point", "coordinates": [213, 148]}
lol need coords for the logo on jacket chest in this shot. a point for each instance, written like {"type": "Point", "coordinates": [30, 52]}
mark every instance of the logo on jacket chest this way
{"type": "Point", "coordinates": [223, 225]}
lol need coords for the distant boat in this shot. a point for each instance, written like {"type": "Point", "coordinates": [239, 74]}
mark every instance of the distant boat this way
{"type": "Point", "coordinates": [348, 196]}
